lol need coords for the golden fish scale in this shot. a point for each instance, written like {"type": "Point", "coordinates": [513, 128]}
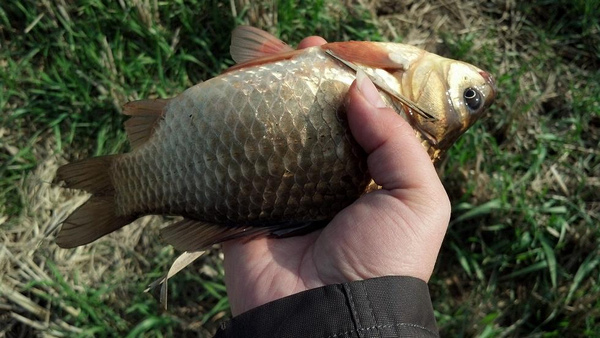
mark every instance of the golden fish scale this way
{"type": "Point", "coordinates": [268, 143]}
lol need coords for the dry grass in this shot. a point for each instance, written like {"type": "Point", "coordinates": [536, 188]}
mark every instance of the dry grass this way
{"type": "Point", "coordinates": [522, 254]}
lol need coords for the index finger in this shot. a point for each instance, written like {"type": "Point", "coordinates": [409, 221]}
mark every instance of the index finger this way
{"type": "Point", "coordinates": [311, 41]}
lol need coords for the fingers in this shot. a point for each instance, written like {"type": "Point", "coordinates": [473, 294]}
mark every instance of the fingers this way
{"type": "Point", "coordinates": [311, 41]}
{"type": "Point", "coordinates": [396, 157]}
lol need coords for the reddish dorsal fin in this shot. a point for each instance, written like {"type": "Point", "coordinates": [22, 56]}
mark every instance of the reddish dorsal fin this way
{"type": "Point", "coordinates": [145, 115]}
{"type": "Point", "coordinates": [364, 53]}
{"type": "Point", "coordinates": [249, 43]}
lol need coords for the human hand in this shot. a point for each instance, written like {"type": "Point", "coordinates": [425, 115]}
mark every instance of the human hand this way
{"type": "Point", "coordinates": [397, 230]}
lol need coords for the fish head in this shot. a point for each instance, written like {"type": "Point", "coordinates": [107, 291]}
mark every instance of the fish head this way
{"type": "Point", "coordinates": [451, 96]}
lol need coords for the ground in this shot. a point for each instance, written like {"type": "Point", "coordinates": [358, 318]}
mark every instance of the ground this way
{"type": "Point", "coordinates": [522, 254]}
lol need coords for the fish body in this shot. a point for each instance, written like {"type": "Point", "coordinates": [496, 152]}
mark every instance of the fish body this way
{"type": "Point", "coordinates": [265, 148]}
{"type": "Point", "coordinates": [251, 146]}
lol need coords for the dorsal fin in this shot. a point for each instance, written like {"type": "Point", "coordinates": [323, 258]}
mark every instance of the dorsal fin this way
{"type": "Point", "coordinates": [145, 114]}
{"type": "Point", "coordinates": [192, 235]}
{"type": "Point", "coordinates": [249, 43]}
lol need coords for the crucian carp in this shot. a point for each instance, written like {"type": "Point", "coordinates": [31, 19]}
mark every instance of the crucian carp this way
{"type": "Point", "coordinates": [264, 148]}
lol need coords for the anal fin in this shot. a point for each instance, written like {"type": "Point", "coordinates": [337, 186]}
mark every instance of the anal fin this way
{"type": "Point", "coordinates": [145, 115]}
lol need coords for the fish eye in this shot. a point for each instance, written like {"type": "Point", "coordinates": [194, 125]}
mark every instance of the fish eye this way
{"type": "Point", "coordinates": [472, 98]}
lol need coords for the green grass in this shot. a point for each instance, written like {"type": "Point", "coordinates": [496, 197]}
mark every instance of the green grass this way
{"type": "Point", "coordinates": [521, 257]}
{"type": "Point", "coordinates": [525, 225]}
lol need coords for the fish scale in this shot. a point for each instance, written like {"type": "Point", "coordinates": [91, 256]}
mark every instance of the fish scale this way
{"type": "Point", "coordinates": [249, 164]}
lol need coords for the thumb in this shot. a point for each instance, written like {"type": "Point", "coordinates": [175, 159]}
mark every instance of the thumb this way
{"type": "Point", "coordinates": [396, 157]}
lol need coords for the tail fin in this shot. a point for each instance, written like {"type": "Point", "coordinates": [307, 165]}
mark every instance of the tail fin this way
{"type": "Point", "coordinates": [96, 217]}
{"type": "Point", "coordinates": [91, 175]}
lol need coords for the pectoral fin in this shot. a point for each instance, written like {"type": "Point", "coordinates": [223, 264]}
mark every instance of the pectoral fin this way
{"type": "Point", "coordinates": [370, 71]}
{"type": "Point", "coordinates": [363, 53]}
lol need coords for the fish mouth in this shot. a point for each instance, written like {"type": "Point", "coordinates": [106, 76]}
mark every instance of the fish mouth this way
{"type": "Point", "coordinates": [488, 78]}
{"type": "Point", "coordinates": [491, 82]}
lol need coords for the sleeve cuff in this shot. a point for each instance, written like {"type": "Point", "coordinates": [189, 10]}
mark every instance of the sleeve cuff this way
{"type": "Point", "coordinates": [390, 306]}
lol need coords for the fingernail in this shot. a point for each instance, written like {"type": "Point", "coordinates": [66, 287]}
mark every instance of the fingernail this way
{"type": "Point", "coordinates": [368, 89]}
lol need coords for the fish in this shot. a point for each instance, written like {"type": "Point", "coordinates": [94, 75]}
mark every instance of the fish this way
{"type": "Point", "coordinates": [264, 148]}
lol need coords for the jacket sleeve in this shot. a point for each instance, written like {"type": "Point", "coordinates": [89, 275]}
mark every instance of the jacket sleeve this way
{"type": "Point", "coordinates": [393, 306]}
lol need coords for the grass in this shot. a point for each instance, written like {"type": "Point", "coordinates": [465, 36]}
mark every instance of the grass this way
{"type": "Point", "coordinates": [521, 257]}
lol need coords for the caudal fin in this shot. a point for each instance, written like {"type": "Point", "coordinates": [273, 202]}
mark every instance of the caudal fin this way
{"type": "Point", "coordinates": [96, 217]}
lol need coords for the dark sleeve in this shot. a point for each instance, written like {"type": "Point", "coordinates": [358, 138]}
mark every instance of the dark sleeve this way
{"type": "Point", "coordinates": [391, 306]}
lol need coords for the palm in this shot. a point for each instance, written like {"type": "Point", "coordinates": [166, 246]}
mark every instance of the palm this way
{"type": "Point", "coordinates": [350, 248]}
{"type": "Point", "coordinates": [397, 230]}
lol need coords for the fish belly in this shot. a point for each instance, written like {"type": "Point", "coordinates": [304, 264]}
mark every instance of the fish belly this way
{"type": "Point", "coordinates": [260, 145]}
